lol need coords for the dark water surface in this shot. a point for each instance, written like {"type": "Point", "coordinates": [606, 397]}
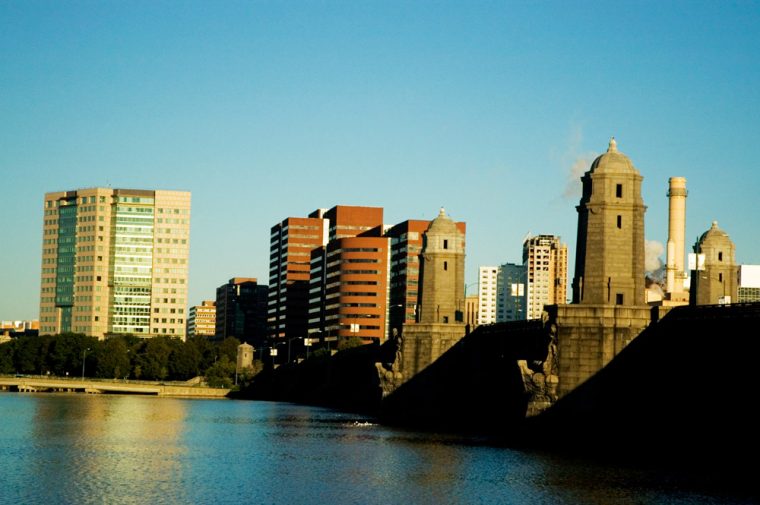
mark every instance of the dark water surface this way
{"type": "Point", "coordinates": [81, 449]}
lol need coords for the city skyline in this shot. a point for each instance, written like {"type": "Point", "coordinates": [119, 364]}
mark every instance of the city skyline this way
{"type": "Point", "coordinates": [263, 111]}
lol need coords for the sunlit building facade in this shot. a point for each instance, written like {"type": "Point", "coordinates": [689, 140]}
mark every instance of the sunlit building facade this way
{"type": "Point", "coordinates": [348, 285]}
{"type": "Point", "coordinates": [290, 244]}
{"type": "Point", "coordinates": [545, 263]}
{"type": "Point", "coordinates": [115, 262]}
{"type": "Point", "coordinates": [201, 320]}
{"type": "Point", "coordinates": [487, 294]}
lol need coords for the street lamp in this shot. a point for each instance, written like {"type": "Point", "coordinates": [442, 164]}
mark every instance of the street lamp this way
{"type": "Point", "coordinates": [402, 319]}
{"type": "Point", "coordinates": [84, 357]}
{"type": "Point", "coordinates": [289, 341]}
{"type": "Point", "coordinates": [273, 354]}
{"type": "Point", "coordinates": [307, 344]}
{"type": "Point", "coordinates": [468, 285]}
{"type": "Point", "coordinates": [477, 305]}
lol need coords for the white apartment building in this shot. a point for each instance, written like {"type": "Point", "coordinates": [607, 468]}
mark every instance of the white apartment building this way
{"type": "Point", "coordinates": [487, 294]}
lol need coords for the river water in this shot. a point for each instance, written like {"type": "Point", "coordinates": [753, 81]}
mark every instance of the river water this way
{"type": "Point", "coordinates": [81, 449]}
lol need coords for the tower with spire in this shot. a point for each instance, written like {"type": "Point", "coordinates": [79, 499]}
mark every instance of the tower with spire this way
{"type": "Point", "coordinates": [609, 262]}
{"type": "Point", "coordinates": [715, 282]}
{"type": "Point", "coordinates": [441, 296]}
{"type": "Point", "coordinates": [440, 307]}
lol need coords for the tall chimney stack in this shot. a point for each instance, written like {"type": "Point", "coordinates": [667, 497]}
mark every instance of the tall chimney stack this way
{"type": "Point", "coordinates": [674, 268]}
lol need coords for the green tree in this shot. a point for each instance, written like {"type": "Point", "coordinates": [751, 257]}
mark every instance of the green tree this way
{"type": "Point", "coordinates": [6, 358]}
{"type": "Point", "coordinates": [66, 352]}
{"type": "Point", "coordinates": [184, 360]}
{"type": "Point", "coordinates": [228, 347]}
{"type": "Point", "coordinates": [112, 359]}
{"type": "Point", "coordinates": [153, 358]}
{"type": "Point", "coordinates": [206, 351]}
{"type": "Point", "coordinates": [29, 353]}
{"type": "Point", "coordinates": [220, 373]}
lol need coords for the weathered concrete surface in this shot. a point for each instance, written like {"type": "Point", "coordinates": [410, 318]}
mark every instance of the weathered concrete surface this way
{"type": "Point", "coordinates": [93, 386]}
{"type": "Point", "coordinates": [417, 347]}
{"type": "Point", "coordinates": [589, 336]}
{"type": "Point", "coordinates": [480, 384]}
{"type": "Point", "coordinates": [685, 388]}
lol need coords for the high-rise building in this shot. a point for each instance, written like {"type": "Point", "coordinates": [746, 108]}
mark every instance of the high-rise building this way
{"type": "Point", "coordinates": [717, 282]}
{"type": "Point", "coordinates": [501, 295]}
{"type": "Point", "coordinates": [511, 299]}
{"type": "Point", "coordinates": [406, 244]}
{"type": "Point", "coordinates": [353, 221]}
{"type": "Point", "coordinates": [545, 263]}
{"type": "Point", "coordinates": [201, 319]}
{"type": "Point", "coordinates": [749, 284]}
{"type": "Point", "coordinates": [609, 262]}
{"type": "Point", "coordinates": [348, 285]}
{"type": "Point", "coordinates": [115, 261]}
{"type": "Point", "coordinates": [364, 276]}
{"type": "Point", "coordinates": [291, 243]}
{"type": "Point", "coordinates": [241, 311]}
{"type": "Point", "coordinates": [356, 288]}
{"type": "Point", "coordinates": [488, 278]}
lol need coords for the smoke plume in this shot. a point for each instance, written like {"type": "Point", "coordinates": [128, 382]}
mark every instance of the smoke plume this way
{"type": "Point", "coordinates": [577, 169]}
{"type": "Point", "coordinates": [653, 265]}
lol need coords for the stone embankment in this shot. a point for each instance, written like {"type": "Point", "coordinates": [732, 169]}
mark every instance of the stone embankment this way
{"type": "Point", "coordinates": [28, 384]}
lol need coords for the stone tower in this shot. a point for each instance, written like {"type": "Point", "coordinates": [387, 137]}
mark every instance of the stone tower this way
{"type": "Point", "coordinates": [717, 283]}
{"type": "Point", "coordinates": [609, 263]}
{"type": "Point", "coordinates": [440, 306]}
{"type": "Point", "coordinates": [441, 296]}
{"type": "Point", "coordinates": [244, 357]}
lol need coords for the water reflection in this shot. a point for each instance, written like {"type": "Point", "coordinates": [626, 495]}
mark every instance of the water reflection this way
{"type": "Point", "coordinates": [120, 446]}
{"type": "Point", "coordinates": [128, 449]}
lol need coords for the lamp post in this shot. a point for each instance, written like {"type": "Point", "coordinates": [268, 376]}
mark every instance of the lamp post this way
{"type": "Point", "coordinates": [402, 319]}
{"type": "Point", "coordinates": [475, 322]}
{"type": "Point", "coordinates": [307, 344]}
{"type": "Point", "coordinates": [84, 357]}
{"type": "Point", "coordinates": [273, 354]}
{"type": "Point", "coordinates": [468, 285]}
{"type": "Point", "coordinates": [289, 341]}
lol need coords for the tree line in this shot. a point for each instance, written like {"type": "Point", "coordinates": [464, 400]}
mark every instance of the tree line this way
{"type": "Point", "coordinates": [122, 357]}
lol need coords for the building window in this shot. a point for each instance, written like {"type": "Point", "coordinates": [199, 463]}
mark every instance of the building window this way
{"type": "Point", "coordinates": [620, 222]}
{"type": "Point", "coordinates": [619, 190]}
{"type": "Point", "coordinates": [619, 299]}
{"type": "Point", "coordinates": [720, 256]}
{"type": "Point", "coordinates": [445, 244]}
{"type": "Point", "coordinates": [445, 265]}
{"type": "Point", "coordinates": [720, 277]}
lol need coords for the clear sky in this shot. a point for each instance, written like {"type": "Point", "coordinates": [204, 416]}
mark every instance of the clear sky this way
{"type": "Point", "coordinates": [265, 110]}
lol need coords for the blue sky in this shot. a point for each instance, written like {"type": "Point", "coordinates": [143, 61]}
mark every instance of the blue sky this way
{"type": "Point", "coordinates": [265, 110]}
